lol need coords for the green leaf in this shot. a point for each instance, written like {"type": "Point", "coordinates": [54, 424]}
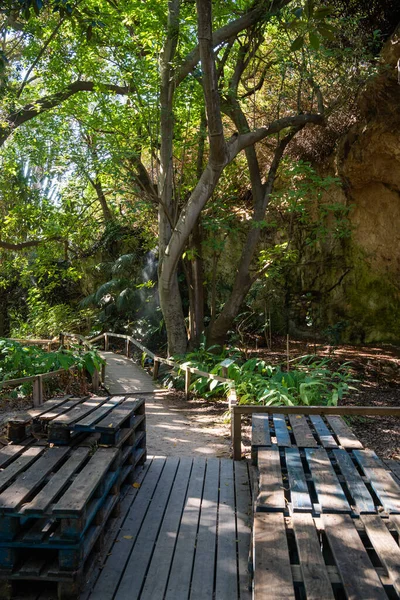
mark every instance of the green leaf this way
{"type": "Point", "coordinates": [314, 40]}
{"type": "Point", "coordinates": [297, 44]}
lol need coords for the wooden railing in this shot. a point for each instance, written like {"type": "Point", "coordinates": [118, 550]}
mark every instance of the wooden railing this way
{"type": "Point", "coordinates": [158, 360]}
{"type": "Point", "coordinates": [239, 410]}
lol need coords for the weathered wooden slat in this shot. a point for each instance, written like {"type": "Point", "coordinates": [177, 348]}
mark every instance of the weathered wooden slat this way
{"type": "Point", "coordinates": [358, 490]}
{"type": "Point", "coordinates": [204, 560]}
{"type": "Point", "coordinates": [115, 419]}
{"type": "Point", "coordinates": [114, 566]}
{"type": "Point", "coordinates": [35, 412]}
{"type": "Point", "coordinates": [359, 578]}
{"type": "Point", "coordinates": [300, 497]}
{"type": "Point", "coordinates": [302, 432]}
{"type": "Point", "coordinates": [260, 435]}
{"type": "Point", "coordinates": [60, 409]}
{"type": "Point", "coordinates": [272, 573]}
{"type": "Point", "coordinates": [271, 495]}
{"type": "Point", "coordinates": [19, 465]}
{"type": "Point", "coordinates": [327, 440]}
{"type": "Point", "coordinates": [26, 484]}
{"type": "Point", "coordinates": [99, 413]}
{"type": "Point", "coordinates": [181, 569]}
{"type": "Point", "coordinates": [315, 575]}
{"type": "Point", "coordinates": [57, 482]}
{"type": "Point", "coordinates": [226, 572]}
{"type": "Point", "coordinates": [386, 548]}
{"type": "Point", "coordinates": [394, 466]}
{"type": "Point", "coordinates": [243, 520]}
{"type": "Point", "coordinates": [281, 430]}
{"type": "Point", "coordinates": [76, 497]}
{"type": "Point", "coordinates": [380, 478]}
{"type": "Point", "coordinates": [78, 412]}
{"type": "Point", "coordinates": [10, 453]}
{"type": "Point", "coordinates": [346, 437]}
{"type": "Point", "coordinates": [157, 575]}
{"type": "Point", "coordinates": [135, 571]}
{"type": "Point", "coordinates": [330, 494]}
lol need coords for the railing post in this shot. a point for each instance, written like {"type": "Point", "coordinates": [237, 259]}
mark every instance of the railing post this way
{"type": "Point", "coordinates": [95, 381]}
{"type": "Point", "coordinates": [103, 373]}
{"type": "Point", "coordinates": [236, 422]}
{"type": "Point", "coordinates": [127, 347]}
{"type": "Point", "coordinates": [37, 393]}
{"type": "Point", "coordinates": [188, 377]}
{"type": "Point", "coordinates": [62, 340]}
{"type": "Point", "coordinates": [156, 368]}
{"type": "Point", "coordinates": [106, 342]}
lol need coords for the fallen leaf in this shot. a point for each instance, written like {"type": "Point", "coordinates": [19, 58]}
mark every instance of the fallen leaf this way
{"type": "Point", "coordinates": [128, 537]}
{"type": "Point", "coordinates": [136, 485]}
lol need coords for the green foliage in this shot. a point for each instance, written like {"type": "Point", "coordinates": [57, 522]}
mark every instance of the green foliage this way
{"type": "Point", "coordinates": [19, 360]}
{"type": "Point", "coordinates": [312, 382]}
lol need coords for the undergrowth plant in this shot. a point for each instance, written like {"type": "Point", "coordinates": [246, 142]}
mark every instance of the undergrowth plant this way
{"type": "Point", "coordinates": [312, 381]}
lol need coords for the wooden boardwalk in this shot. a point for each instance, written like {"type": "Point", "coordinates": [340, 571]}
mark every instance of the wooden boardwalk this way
{"type": "Point", "coordinates": [184, 535]}
{"type": "Point", "coordinates": [123, 376]}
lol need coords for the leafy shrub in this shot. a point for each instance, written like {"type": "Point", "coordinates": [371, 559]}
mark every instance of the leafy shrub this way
{"type": "Point", "coordinates": [312, 382]}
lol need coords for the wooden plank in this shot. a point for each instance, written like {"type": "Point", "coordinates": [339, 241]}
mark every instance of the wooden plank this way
{"type": "Point", "coordinates": [78, 412]}
{"type": "Point", "coordinates": [9, 453]}
{"type": "Point", "coordinates": [327, 440]}
{"type": "Point", "coordinates": [260, 435]}
{"type": "Point", "coordinates": [99, 413]}
{"type": "Point", "coordinates": [299, 494]}
{"type": "Point", "coordinates": [346, 437]}
{"type": "Point", "coordinates": [394, 466]}
{"type": "Point", "coordinates": [386, 548]}
{"type": "Point", "coordinates": [357, 488]}
{"type": "Point", "coordinates": [181, 569]}
{"type": "Point", "coordinates": [271, 495]}
{"type": "Point", "coordinates": [272, 573]}
{"type": "Point", "coordinates": [115, 419]}
{"type": "Point", "coordinates": [382, 482]}
{"type": "Point", "coordinates": [330, 494]}
{"type": "Point", "coordinates": [114, 566]}
{"type": "Point", "coordinates": [52, 413]}
{"type": "Point", "coordinates": [226, 586]}
{"type": "Point", "coordinates": [204, 560]}
{"type": "Point", "coordinates": [243, 525]}
{"type": "Point", "coordinates": [19, 465]}
{"type": "Point", "coordinates": [313, 568]}
{"type": "Point", "coordinates": [27, 483]}
{"type": "Point", "coordinates": [302, 432]}
{"type": "Point", "coordinates": [320, 410]}
{"type": "Point", "coordinates": [281, 430]}
{"type": "Point", "coordinates": [30, 414]}
{"type": "Point", "coordinates": [359, 578]}
{"type": "Point", "coordinates": [157, 575]}
{"type": "Point", "coordinates": [59, 480]}
{"type": "Point", "coordinates": [76, 497]}
{"type": "Point", "coordinates": [136, 567]}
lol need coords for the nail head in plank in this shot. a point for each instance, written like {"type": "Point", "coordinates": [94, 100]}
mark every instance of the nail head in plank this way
{"type": "Point", "coordinates": [346, 437]}
{"type": "Point", "coordinates": [329, 491]}
{"type": "Point", "coordinates": [315, 575]}
{"type": "Point", "coordinates": [271, 494]}
{"type": "Point", "coordinates": [58, 481]}
{"type": "Point", "coordinates": [85, 484]}
{"type": "Point", "coordinates": [380, 478]}
{"type": "Point", "coordinates": [19, 465]}
{"type": "Point", "coordinates": [386, 548]}
{"type": "Point", "coordinates": [327, 440]}
{"type": "Point", "coordinates": [260, 435]}
{"type": "Point", "coordinates": [299, 494]}
{"type": "Point", "coordinates": [119, 414]}
{"type": "Point", "coordinates": [302, 432]}
{"type": "Point", "coordinates": [26, 484]}
{"type": "Point", "coordinates": [281, 430]}
{"type": "Point", "coordinates": [359, 578]}
{"type": "Point", "coordinates": [272, 572]}
{"type": "Point", "coordinates": [358, 490]}
{"type": "Point", "coordinates": [99, 413]}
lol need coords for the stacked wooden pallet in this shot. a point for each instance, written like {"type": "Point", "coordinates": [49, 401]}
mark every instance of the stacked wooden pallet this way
{"type": "Point", "coordinates": [59, 492]}
{"type": "Point", "coordinates": [326, 513]}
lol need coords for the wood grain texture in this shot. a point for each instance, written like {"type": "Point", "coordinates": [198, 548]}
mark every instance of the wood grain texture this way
{"type": "Point", "coordinates": [302, 432]}
{"type": "Point", "coordinates": [271, 494]}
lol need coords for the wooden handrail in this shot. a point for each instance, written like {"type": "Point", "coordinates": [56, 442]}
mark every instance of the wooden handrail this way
{"type": "Point", "coordinates": [246, 409]}
{"type": "Point", "coordinates": [37, 393]}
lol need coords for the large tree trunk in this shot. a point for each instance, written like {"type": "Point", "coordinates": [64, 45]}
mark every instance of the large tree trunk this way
{"type": "Point", "coordinates": [171, 305]}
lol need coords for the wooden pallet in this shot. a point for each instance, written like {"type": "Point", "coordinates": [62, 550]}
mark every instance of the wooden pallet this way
{"type": "Point", "coordinates": [320, 480]}
{"type": "Point", "coordinates": [18, 428]}
{"type": "Point", "coordinates": [301, 431]}
{"type": "Point", "coordinates": [325, 558]}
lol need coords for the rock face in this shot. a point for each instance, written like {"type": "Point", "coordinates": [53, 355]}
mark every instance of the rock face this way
{"type": "Point", "coordinates": [367, 159]}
